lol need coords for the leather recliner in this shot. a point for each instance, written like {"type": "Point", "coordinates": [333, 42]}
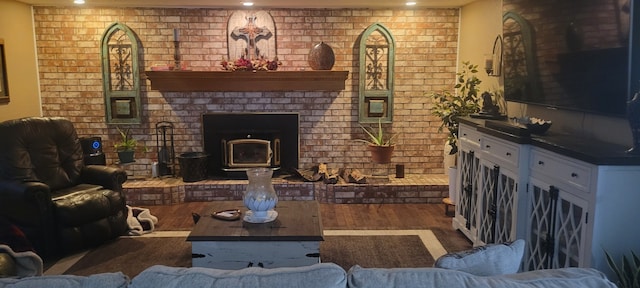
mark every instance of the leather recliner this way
{"type": "Point", "coordinates": [61, 204]}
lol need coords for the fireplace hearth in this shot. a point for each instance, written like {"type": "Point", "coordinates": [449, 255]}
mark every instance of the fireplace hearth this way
{"type": "Point", "coordinates": [238, 141]}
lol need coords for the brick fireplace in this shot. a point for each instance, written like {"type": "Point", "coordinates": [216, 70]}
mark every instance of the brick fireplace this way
{"type": "Point", "coordinates": [70, 78]}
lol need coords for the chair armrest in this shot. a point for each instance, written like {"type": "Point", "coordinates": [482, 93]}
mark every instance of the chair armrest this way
{"type": "Point", "coordinates": [105, 176]}
{"type": "Point", "coordinates": [18, 199]}
{"type": "Point", "coordinates": [18, 191]}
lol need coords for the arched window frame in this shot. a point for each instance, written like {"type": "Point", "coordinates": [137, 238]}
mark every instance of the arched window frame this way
{"type": "Point", "coordinates": [121, 106]}
{"type": "Point", "coordinates": [376, 104]}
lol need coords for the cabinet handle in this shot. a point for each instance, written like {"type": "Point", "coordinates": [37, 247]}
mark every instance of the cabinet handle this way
{"type": "Point", "coordinates": [540, 162]}
{"type": "Point", "coordinates": [488, 146]}
{"type": "Point", "coordinates": [508, 153]}
{"type": "Point", "coordinates": [574, 175]}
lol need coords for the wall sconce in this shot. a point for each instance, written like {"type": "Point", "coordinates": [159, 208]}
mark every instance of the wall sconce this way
{"type": "Point", "coordinates": [493, 61]}
{"type": "Point", "coordinates": [488, 64]}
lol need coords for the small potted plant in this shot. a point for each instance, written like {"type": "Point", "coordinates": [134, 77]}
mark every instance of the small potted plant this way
{"type": "Point", "coordinates": [126, 147]}
{"type": "Point", "coordinates": [381, 148]}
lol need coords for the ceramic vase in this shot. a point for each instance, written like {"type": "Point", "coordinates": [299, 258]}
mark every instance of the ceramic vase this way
{"type": "Point", "coordinates": [321, 57]}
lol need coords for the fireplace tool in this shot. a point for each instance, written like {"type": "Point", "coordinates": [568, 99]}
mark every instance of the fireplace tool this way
{"type": "Point", "coordinates": [166, 152]}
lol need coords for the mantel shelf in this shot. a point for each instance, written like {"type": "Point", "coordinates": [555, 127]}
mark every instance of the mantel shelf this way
{"type": "Point", "coordinates": [246, 81]}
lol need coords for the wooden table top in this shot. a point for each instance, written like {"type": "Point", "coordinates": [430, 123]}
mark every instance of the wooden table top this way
{"type": "Point", "coordinates": [297, 221]}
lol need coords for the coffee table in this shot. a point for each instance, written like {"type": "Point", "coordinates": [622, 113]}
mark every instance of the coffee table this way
{"type": "Point", "coordinates": [293, 239]}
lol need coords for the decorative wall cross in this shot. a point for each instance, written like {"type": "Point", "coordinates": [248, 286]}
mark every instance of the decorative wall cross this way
{"type": "Point", "coordinates": [252, 33]}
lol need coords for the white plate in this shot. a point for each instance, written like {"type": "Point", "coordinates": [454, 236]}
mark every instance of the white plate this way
{"type": "Point", "coordinates": [249, 217]}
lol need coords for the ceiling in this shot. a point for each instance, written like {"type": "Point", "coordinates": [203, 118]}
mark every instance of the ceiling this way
{"type": "Point", "coordinates": [259, 4]}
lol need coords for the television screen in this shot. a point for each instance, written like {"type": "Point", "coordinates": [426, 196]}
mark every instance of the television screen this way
{"type": "Point", "coordinates": [568, 54]}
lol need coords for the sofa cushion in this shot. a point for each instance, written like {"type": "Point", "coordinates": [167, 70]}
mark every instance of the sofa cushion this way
{"type": "Point", "coordinates": [104, 280]}
{"type": "Point", "coordinates": [323, 275]}
{"type": "Point", "coordinates": [436, 277]}
{"type": "Point", "coordinates": [488, 260]}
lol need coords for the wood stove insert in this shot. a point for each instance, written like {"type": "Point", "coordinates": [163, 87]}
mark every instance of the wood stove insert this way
{"type": "Point", "coordinates": [237, 141]}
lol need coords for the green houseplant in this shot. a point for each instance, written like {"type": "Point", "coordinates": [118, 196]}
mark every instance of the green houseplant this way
{"type": "Point", "coordinates": [380, 145]}
{"type": "Point", "coordinates": [463, 101]}
{"type": "Point", "coordinates": [126, 146]}
{"type": "Point", "coordinates": [628, 272]}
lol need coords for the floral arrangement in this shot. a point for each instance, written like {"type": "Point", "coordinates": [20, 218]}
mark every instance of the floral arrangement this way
{"type": "Point", "coordinates": [243, 64]}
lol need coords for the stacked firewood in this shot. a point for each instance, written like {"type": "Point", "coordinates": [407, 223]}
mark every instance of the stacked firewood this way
{"type": "Point", "coordinates": [321, 172]}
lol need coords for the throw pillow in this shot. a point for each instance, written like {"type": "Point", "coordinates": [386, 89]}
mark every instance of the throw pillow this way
{"type": "Point", "coordinates": [13, 243]}
{"type": "Point", "coordinates": [488, 260]}
{"type": "Point", "coordinates": [7, 266]}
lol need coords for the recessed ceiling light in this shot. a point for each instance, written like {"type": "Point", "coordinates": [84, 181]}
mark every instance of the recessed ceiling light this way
{"type": "Point", "coordinates": [78, 1]}
{"type": "Point", "coordinates": [411, 3]}
{"type": "Point", "coordinates": [247, 3]}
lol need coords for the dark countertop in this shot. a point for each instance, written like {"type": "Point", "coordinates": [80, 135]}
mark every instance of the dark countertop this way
{"type": "Point", "coordinates": [588, 150]}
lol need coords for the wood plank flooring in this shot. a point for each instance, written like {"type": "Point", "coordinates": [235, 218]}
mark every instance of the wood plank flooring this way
{"type": "Point", "coordinates": [342, 217]}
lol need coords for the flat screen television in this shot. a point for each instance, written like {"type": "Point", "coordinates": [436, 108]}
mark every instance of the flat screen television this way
{"type": "Point", "coordinates": [574, 55]}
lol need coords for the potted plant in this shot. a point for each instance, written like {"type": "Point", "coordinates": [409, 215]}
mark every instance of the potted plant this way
{"type": "Point", "coordinates": [463, 102]}
{"type": "Point", "coordinates": [628, 272]}
{"type": "Point", "coordinates": [126, 147]}
{"type": "Point", "coordinates": [381, 148]}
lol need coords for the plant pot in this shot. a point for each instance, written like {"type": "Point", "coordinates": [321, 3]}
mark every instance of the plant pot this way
{"type": "Point", "coordinates": [125, 156]}
{"type": "Point", "coordinates": [449, 159]}
{"type": "Point", "coordinates": [381, 154]}
{"type": "Point", "coordinates": [453, 184]}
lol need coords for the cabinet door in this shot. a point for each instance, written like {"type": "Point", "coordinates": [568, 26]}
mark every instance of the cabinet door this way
{"type": "Point", "coordinates": [468, 190]}
{"type": "Point", "coordinates": [556, 229]}
{"type": "Point", "coordinates": [497, 207]}
{"type": "Point", "coordinates": [506, 206]}
{"type": "Point", "coordinates": [539, 226]}
{"type": "Point", "coordinates": [570, 231]}
{"type": "Point", "coordinates": [487, 202]}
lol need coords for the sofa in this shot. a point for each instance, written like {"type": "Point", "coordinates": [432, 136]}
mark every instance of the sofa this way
{"type": "Point", "coordinates": [491, 265]}
{"type": "Point", "coordinates": [321, 275]}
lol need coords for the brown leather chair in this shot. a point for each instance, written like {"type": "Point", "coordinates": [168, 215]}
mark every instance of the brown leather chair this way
{"type": "Point", "coordinates": [61, 204]}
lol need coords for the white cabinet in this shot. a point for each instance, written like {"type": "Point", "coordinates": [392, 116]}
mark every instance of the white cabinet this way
{"type": "Point", "coordinates": [568, 209]}
{"type": "Point", "coordinates": [488, 201]}
{"type": "Point", "coordinates": [578, 210]}
{"type": "Point", "coordinates": [558, 209]}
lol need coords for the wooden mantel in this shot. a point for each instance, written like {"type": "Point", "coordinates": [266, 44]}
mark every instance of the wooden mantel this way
{"type": "Point", "coordinates": [245, 81]}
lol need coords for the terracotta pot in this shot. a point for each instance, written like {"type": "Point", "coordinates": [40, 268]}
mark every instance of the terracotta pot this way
{"type": "Point", "coordinates": [381, 154]}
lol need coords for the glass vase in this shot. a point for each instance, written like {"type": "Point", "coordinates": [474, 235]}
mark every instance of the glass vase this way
{"type": "Point", "coordinates": [260, 197]}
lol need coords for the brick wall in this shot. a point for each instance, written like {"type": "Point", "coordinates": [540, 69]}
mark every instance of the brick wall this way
{"type": "Point", "coordinates": [68, 49]}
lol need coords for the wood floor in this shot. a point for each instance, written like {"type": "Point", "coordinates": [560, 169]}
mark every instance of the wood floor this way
{"type": "Point", "coordinates": [343, 217]}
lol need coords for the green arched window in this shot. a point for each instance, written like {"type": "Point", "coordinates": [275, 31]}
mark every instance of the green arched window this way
{"type": "Point", "coordinates": [120, 75]}
{"type": "Point", "coordinates": [377, 48]}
